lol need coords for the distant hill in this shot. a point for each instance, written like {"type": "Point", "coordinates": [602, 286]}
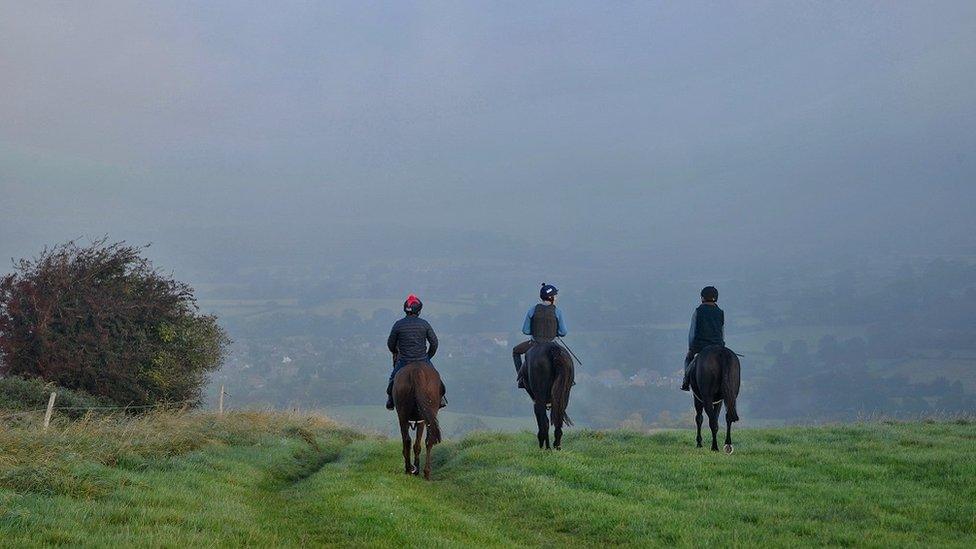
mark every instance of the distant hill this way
{"type": "Point", "coordinates": [265, 479]}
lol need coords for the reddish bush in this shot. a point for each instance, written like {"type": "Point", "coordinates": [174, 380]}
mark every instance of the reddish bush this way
{"type": "Point", "coordinates": [101, 319]}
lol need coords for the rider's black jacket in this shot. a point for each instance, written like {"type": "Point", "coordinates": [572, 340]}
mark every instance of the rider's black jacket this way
{"type": "Point", "coordinates": [409, 338]}
{"type": "Point", "coordinates": [707, 327]}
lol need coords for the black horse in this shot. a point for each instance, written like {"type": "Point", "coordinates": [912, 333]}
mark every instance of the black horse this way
{"type": "Point", "coordinates": [714, 380]}
{"type": "Point", "coordinates": [549, 378]}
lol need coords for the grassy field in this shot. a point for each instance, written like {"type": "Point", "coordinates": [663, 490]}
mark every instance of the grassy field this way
{"type": "Point", "coordinates": [377, 419]}
{"type": "Point", "coordinates": [264, 479]}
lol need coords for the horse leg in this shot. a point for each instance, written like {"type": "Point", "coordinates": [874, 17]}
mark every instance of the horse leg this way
{"type": "Point", "coordinates": [728, 434]}
{"type": "Point", "coordinates": [417, 446]}
{"type": "Point", "coordinates": [712, 412]}
{"type": "Point", "coordinates": [405, 436]}
{"type": "Point", "coordinates": [430, 445]}
{"type": "Point", "coordinates": [698, 420]}
{"type": "Point", "coordinates": [543, 421]}
{"type": "Point", "coordinates": [558, 432]}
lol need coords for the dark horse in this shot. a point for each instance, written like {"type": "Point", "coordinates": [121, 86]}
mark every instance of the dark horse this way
{"type": "Point", "coordinates": [417, 395]}
{"type": "Point", "coordinates": [714, 380]}
{"type": "Point", "coordinates": [549, 378]}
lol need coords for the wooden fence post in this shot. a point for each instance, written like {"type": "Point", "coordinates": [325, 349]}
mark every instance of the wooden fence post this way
{"type": "Point", "coordinates": [50, 410]}
{"type": "Point", "coordinates": [220, 402]}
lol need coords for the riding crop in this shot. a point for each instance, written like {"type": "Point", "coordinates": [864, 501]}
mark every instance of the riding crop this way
{"type": "Point", "coordinates": [563, 343]}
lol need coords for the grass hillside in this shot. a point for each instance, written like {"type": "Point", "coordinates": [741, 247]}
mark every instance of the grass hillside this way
{"type": "Point", "coordinates": [286, 480]}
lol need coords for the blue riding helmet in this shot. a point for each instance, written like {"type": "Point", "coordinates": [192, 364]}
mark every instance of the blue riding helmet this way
{"type": "Point", "coordinates": [547, 292]}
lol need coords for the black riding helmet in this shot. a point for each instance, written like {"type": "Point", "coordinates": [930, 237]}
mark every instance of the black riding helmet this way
{"type": "Point", "coordinates": [709, 293]}
{"type": "Point", "coordinates": [547, 292]}
{"type": "Point", "coordinates": [412, 305]}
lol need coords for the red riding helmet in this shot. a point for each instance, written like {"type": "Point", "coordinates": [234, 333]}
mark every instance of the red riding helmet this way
{"type": "Point", "coordinates": [412, 305]}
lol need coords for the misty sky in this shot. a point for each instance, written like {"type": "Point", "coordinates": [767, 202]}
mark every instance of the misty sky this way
{"type": "Point", "coordinates": [651, 128]}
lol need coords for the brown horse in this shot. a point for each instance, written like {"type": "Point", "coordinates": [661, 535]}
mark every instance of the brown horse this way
{"type": "Point", "coordinates": [714, 380]}
{"type": "Point", "coordinates": [549, 378]}
{"type": "Point", "coordinates": [416, 395]}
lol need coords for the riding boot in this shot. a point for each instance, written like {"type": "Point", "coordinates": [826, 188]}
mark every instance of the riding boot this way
{"type": "Point", "coordinates": [686, 381]}
{"type": "Point", "coordinates": [443, 395]}
{"type": "Point", "coordinates": [389, 396]}
{"type": "Point", "coordinates": [518, 370]}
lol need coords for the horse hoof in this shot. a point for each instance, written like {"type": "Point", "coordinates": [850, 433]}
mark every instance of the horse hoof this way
{"type": "Point", "coordinates": [729, 449]}
{"type": "Point", "coordinates": [558, 447]}
{"type": "Point", "coordinates": [426, 475]}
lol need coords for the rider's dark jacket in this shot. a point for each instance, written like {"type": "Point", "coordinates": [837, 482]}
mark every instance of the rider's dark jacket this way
{"type": "Point", "coordinates": [409, 338]}
{"type": "Point", "coordinates": [707, 327]}
{"type": "Point", "coordinates": [544, 322]}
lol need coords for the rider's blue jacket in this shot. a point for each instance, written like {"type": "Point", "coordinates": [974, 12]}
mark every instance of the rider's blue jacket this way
{"type": "Point", "coordinates": [527, 323]}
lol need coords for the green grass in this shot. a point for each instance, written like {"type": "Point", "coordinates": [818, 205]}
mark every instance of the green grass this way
{"type": "Point", "coordinates": [377, 419]}
{"type": "Point", "coordinates": [18, 395]}
{"type": "Point", "coordinates": [286, 480]}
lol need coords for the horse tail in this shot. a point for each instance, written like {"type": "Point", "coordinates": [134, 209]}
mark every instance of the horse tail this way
{"type": "Point", "coordinates": [729, 364]}
{"type": "Point", "coordinates": [428, 408]}
{"type": "Point", "coordinates": [563, 368]}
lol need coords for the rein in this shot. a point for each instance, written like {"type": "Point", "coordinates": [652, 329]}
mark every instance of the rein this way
{"type": "Point", "coordinates": [564, 346]}
{"type": "Point", "coordinates": [698, 398]}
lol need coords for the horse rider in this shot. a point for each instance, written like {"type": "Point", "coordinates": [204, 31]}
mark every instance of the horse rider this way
{"type": "Point", "coordinates": [543, 321]}
{"type": "Point", "coordinates": [707, 329]}
{"type": "Point", "coordinates": [408, 342]}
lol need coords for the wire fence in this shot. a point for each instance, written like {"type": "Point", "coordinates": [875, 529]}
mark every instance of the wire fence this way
{"type": "Point", "coordinates": [96, 408]}
{"type": "Point", "coordinates": [51, 408]}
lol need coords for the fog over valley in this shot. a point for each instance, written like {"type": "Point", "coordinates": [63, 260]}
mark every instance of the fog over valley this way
{"type": "Point", "coordinates": [306, 166]}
